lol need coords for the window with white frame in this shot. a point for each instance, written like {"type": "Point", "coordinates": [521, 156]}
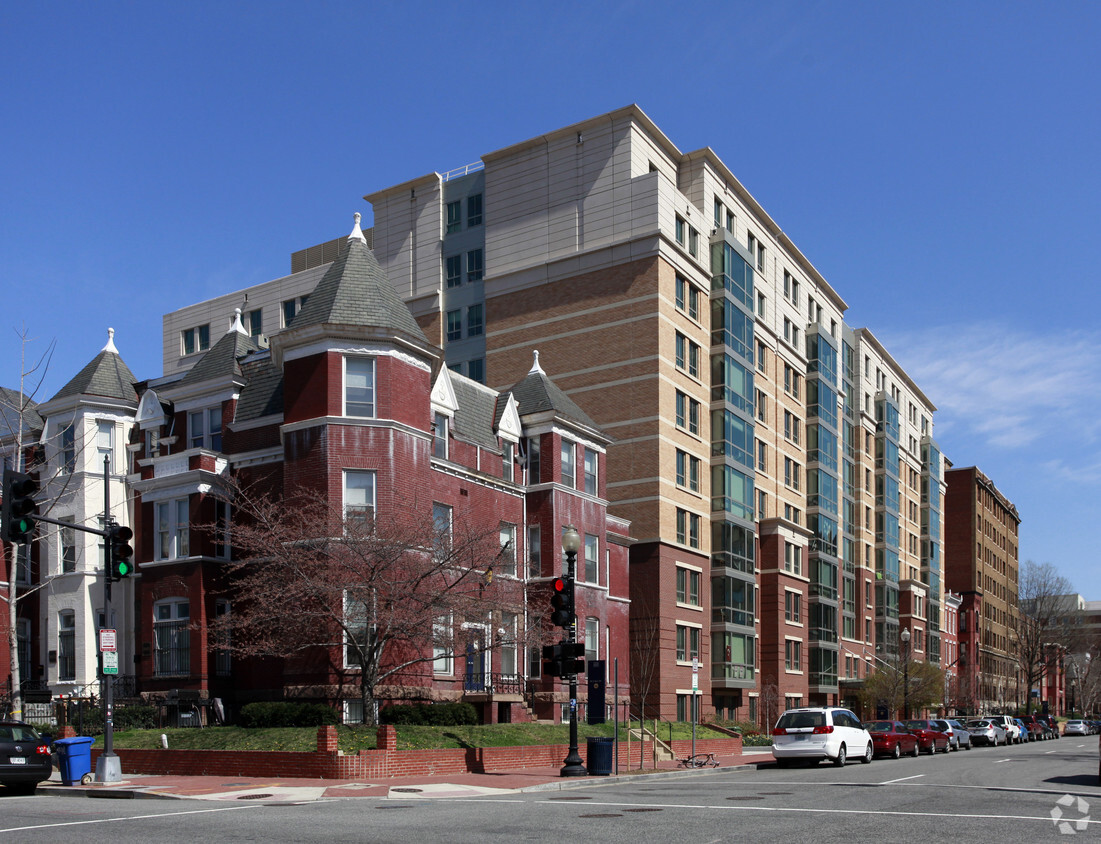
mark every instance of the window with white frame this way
{"type": "Point", "coordinates": [171, 637]}
{"type": "Point", "coordinates": [358, 630]}
{"type": "Point", "coordinates": [793, 655]}
{"type": "Point", "coordinates": [105, 444]}
{"type": "Point", "coordinates": [688, 471]}
{"type": "Point", "coordinates": [688, 586]}
{"type": "Point", "coordinates": [455, 325]}
{"type": "Point", "coordinates": [454, 216]}
{"type": "Point", "coordinates": [359, 497]}
{"type": "Point", "coordinates": [569, 464]}
{"type": "Point", "coordinates": [688, 528]}
{"type": "Point", "coordinates": [291, 307]}
{"type": "Point", "coordinates": [439, 435]}
{"type": "Point", "coordinates": [793, 607]}
{"type": "Point", "coordinates": [67, 544]}
{"type": "Point", "coordinates": [254, 322]}
{"type": "Point", "coordinates": [223, 661]}
{"type": "Point", "coordinates": [453, 270]}
{"type": "Point", "coordinates": [442, 524]}
{"type": "Point", "coordinates": [194, 340]}
{"type": "Point", "coordinates": [688, 643]}
{"type": "Point", "coordinates": [66, 645]}
{"type": "Point", "coordinates": [506, 558]}
{"type": "Point", "coordinates": [507, 651]}
{"type": "Point", "coordinates": [793, 558]}
{"type": "Point", "coordinates": [359, 386]}
{"type": "Point", "coordinates": [592, 639]}
{"type": "Point", "coordinates": [475, 321]}
{"type": "Point", "coordinates": [67, 449]}
{"type": "Point", "coordinates": [590, 463]}
{"type": "Point", "coordinates": [535, 552]}
{"type": "Point", "coordinates": [474, 210]}
{"type": "Point", "coordinates": [508, 460]}
{"type": "Point", "coordinates": [222, 525]}
{"type": "Point", "coordinates": [173, 532]}
{"type": "Point", "coordinates": [442, 652]}
{"type": "Point", "coordinates": [204, 429]}
{"type": "Point", "coordinates": [475, 265]}
{"type": "Point", "coordinates": [592, 558]}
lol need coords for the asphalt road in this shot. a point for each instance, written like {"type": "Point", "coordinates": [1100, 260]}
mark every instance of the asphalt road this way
{"type": "Point", "coordinates": [1022, 793]}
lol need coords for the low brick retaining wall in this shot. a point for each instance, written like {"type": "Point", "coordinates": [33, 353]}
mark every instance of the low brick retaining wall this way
{"type": "Point", "coordinates": [327, 763]}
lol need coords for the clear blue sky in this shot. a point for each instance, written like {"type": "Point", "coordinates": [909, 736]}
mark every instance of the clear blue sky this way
{"type": "Point", "coordinates": [938, 162]}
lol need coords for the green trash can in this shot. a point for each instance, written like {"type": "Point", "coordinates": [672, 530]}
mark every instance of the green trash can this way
{"type": "Point", "coordinates": [600, 751]}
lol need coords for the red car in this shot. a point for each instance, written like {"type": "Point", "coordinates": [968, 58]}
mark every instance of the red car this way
{"type": "Point", "coordinates": [928, 736]}
{"type": "Point", "coordinates": [891, 738]}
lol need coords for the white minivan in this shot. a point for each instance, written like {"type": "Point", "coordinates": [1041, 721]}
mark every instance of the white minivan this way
{"type": "Point", "coordinates": [817, 733]}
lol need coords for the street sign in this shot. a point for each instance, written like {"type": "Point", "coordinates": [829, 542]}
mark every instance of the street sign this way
{"type": "Point", "coordinates": [107, 640]}
{"type": "Point", "coordinates": [695, 674]}
{"type": "Point", "coordinates": [110, 662]}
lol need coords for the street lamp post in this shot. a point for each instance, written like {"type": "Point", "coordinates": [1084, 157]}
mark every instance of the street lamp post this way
{"type": "Point", "coordinates": [905, 674]}
{"type": "Point", "coordinates": [574, 767]}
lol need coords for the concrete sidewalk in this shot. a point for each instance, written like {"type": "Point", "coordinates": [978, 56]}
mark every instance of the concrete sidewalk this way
{"type": "Point", "coordinates": [298, 790]}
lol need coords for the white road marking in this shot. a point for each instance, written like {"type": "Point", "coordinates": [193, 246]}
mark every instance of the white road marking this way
{"type": "Point", "coordinates": [902, 779]}
{"type": "Point", "coordinates": [120, 820]}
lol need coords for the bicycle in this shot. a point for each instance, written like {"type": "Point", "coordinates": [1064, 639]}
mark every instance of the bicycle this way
{"type": "Point", "coordinates": [699, 760]}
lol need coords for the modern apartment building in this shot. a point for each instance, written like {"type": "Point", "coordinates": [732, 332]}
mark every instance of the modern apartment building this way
{"type": "Point", "coordinates": [981, 566]}
{"type": "Point", "coordinates": [777, 465]}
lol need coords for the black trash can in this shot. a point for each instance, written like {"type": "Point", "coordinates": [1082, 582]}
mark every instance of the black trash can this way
{"type": "Point", "coordinates": [600, 752]}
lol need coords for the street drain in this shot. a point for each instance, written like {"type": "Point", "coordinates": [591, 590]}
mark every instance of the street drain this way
{"type": "Point", "coordinates": [408, 790]}
{"type": "Point", "coordinates": [644, 809]}
{"type": "Point", "coordinates": [253, 796]}
{"type": "Point", "coordinates": [569, 798]}
{"type": "Point", "coordinates": [393, 807]}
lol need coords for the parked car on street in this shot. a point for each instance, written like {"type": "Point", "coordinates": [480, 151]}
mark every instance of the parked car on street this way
{"type": "Point", "coordinates": [25, 758]}
{"type": "Point", "coordinates": [1040, 731]}
{"type": "Point", "coordinates": [1052, 724]}
{"type": "Point", "coordinates": [891, 738]}
{"type": "Point", "coordinates": [1026, 733]}
{"type": "Point", "coordinates": [963, 734]}
{"type": "Point", "coordinates": [957, 735]}
{"type": "Point", "coordinates": [929, 737]}
{"type": "Point", "coordinates": [1076, 728]}
{"type": "Point", "coordinates": [1012, 731]}
{"type": "Point", "coordinates": [986, 732]}
{"type": "Point", "coordinates": [817, 733]}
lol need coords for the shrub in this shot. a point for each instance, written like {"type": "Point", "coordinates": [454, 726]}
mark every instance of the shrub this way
{"type": "Point", "coordinates": [430, 714]}
{"type": "Point", "coordinates": [286, 714]}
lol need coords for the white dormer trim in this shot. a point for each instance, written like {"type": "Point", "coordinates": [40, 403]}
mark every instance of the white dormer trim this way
{"type": "Point", "coordinates": [150, 411]}
{"type": "Point", "coordinates": [509, 427]}
{"type": "Point", "coordinates": [443, 394]}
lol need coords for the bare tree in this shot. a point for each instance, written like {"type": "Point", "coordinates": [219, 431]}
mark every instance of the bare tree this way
{"type": "Point", "coordinates": [886, 686]}
{"type": "Point", "coordinates": [370, 598]}
{"type": "Point", "coordinates": [1043, 625]}
{"type": "Point", "coordinates": [645, 642]}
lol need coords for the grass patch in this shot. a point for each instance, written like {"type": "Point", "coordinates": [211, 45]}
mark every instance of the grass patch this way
{"type": "Point", "coordinates": [352, 739]}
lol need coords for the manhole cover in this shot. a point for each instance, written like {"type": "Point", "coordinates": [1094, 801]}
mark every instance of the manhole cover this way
{"type": "Point", "coordinates": [252, 796]}
{"type": "Point", "coordinates": [408, 790]}
{"type": "Point", "coordinates": [746, 797]}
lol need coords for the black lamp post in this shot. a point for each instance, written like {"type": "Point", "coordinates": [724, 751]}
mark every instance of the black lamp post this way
{"type": "Point", "coordinates": [571, 542]}
{"type": "Point", "coordinates": [905, 674]}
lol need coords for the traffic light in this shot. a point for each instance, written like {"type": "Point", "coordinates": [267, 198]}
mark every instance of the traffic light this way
{"type": "Point", "coordinates": [564, 659]}
{"type": "Point", "coordinates": [562, 602]}
{"type": "Point", "coordinates": [573, 658]}
{"type": "Point", "coordinates": [120, 553]}
{"type": "Point", "coordinates": [552, 660]}
{"type": "Point", "coordinates": [19, 506]}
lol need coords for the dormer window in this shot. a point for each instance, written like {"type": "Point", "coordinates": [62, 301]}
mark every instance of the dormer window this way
{"type": "Point", "coordinates": [359, 387]}
{"type": "Point", "coordinates": [508, 460]}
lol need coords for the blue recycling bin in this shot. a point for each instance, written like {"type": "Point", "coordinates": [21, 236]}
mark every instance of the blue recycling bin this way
{"type": "Point", "coordinates": [74, 758]}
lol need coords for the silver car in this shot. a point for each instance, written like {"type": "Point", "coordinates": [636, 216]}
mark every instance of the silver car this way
{"type": "Point", "coordinates": [958, 737]}
{"type": "Point", "coordinates": [817, 733]}
{"type": "Point", "coordinates": [986, 732]}
{"type": "Point", "coordinates": [1076, 728]}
